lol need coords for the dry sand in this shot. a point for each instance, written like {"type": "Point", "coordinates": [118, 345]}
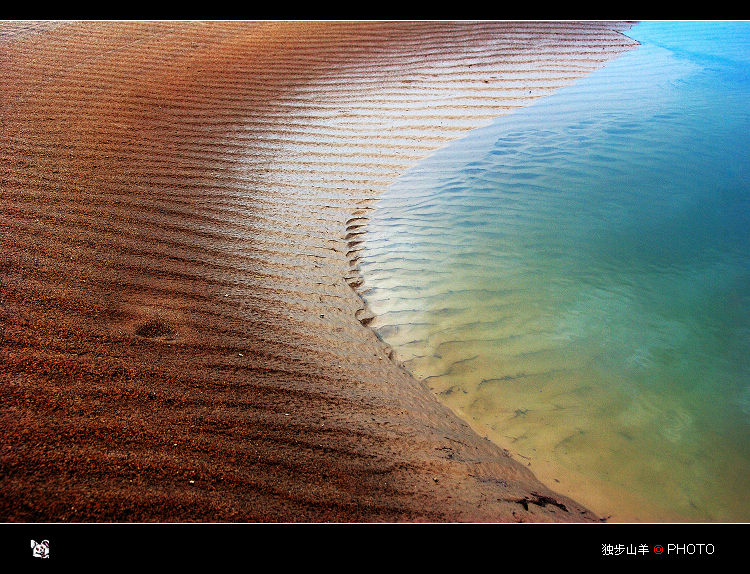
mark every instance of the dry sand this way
{"type": "Point", "coordinates": [182, 205]}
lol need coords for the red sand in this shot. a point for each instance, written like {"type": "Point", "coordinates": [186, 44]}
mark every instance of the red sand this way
{"type": "Point", "coordinates": [182, 204]}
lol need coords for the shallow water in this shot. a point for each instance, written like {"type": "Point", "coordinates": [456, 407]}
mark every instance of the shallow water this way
{"type": "Point", "coordinates": [575, 278]}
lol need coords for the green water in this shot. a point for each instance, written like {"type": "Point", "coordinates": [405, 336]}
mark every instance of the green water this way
{"type": "Point", "coordinates": [574, 279]}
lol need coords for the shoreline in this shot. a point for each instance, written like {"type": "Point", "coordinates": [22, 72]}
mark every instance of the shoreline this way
{"type": "Point", "coordinates": [182, 336]}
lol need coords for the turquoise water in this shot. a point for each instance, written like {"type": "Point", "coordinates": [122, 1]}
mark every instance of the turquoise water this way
{"type": "Point", "coordinates": [574, 279]}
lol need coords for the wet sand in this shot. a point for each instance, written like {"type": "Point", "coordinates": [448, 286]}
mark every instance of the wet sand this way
{"type": "Point", "coordinates": [182, 206]}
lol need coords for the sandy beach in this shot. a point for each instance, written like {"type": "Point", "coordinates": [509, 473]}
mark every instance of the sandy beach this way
{"type": "Point", "coordinates": [182, 337]}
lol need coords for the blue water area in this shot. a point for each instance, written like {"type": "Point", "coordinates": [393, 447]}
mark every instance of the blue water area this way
{"type": "Point", "coordinates": [574, 279]}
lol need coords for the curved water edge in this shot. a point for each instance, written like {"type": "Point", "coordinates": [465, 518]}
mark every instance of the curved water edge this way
{"type": "Point", "coordinates": [574, 279]}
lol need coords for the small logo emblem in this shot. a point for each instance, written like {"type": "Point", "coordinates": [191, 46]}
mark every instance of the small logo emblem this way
{"type": "Point", "coordinates": [40, 549]}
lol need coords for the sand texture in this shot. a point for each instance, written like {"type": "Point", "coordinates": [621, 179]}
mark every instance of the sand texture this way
{"type": "Point", "coordinates": [182, 204]}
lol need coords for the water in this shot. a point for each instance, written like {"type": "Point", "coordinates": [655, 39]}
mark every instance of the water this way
{"type": "Point", "coordinates": [574, 280]}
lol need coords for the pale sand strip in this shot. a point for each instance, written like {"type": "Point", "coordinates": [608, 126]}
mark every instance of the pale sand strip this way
{"type": "Point", "coordinates": [182, 205]}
